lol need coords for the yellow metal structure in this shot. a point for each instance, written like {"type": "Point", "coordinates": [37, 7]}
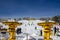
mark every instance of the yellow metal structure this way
{"type": "Point", "coordinates": [47, 29]}
{"type": "Point", "coordinates": [11, 29]}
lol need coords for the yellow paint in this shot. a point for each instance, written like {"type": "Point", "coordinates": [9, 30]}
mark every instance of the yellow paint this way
{"type": "Point", "coordinates": [11, 29]}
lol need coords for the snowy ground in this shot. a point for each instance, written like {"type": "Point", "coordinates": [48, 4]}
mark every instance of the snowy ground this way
{"type": "Point", "coordinates": [28, 29]}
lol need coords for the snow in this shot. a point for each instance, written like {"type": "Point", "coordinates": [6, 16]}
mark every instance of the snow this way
{"type": "Point", "coordinates": [28, 28]}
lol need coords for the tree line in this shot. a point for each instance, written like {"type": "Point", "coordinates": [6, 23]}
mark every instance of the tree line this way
{"type": "Point", "coordinates": [54, 18]}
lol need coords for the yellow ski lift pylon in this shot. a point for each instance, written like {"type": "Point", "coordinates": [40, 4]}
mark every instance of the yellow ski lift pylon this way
{"type": "Point", "coordinates": [47, 29]}
{"type": "Point", "coordinates": [11, 29]}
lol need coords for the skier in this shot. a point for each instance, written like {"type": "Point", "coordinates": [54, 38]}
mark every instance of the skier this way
{"type": "Point", "coordinates": [19, 31]}
{"type": "Point", "coordinates": [54, 30]}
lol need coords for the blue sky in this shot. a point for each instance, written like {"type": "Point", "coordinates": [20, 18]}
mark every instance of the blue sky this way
{"type": "Point", "coordinates": [32, 8]}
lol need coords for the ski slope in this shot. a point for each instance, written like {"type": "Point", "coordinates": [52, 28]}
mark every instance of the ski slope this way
{"type": "Point", "coordinates": [28, 29]}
